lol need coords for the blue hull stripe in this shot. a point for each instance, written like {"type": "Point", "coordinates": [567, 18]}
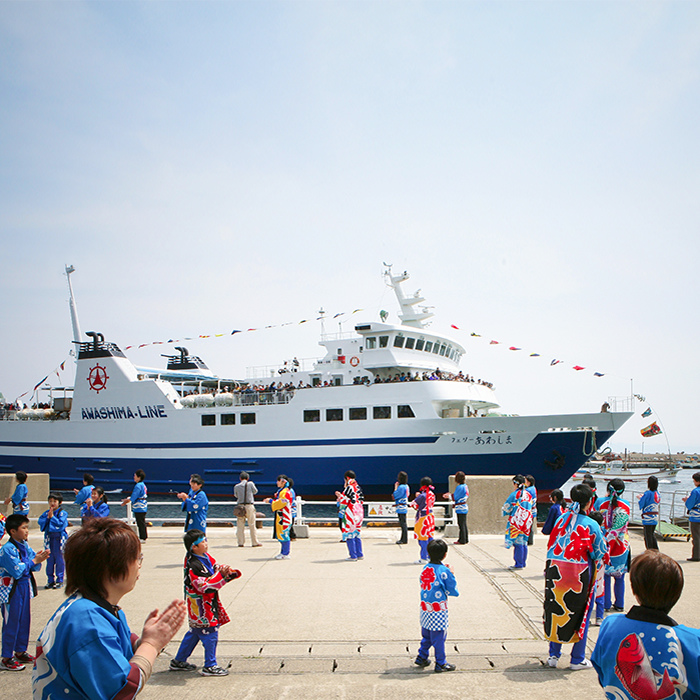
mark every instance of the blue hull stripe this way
{"type": "Point", "coordinates": [427, 439]}
{"type": "Point", "coordinates": [551, 458]}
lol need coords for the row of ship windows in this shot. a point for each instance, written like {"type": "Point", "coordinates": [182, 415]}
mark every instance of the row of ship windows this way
{"type": "Point", "coordinates": [314, 415]}
{"type": "Point", "coordinates": [228, 419]}
{"type": "Point", "coordinates": [401, 341]}
{"type": "Point", "coordinates": [359, 413]}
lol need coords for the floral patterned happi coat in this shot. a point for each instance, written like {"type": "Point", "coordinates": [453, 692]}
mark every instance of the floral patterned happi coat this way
{"type": "Point", "coordinates": [282, 508]}
{"type": "Point", "coordinates": [202, 583]}
{"type": "Point", "coordinates": [424, 528]}
{"type": "Point", "coordinates": [351, 510]}
{"type": "Point", "coordinates": [518, 508]}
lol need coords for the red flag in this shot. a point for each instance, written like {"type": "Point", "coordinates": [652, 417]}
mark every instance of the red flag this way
{"type": "Point", "coordinates": [453, 326]}
{"type": "Point", "coordinates": [578, 367]}
{"type": "Point", "coordinates": [493, 342]}
{"type": "Point", "coordinates": [514, 348]}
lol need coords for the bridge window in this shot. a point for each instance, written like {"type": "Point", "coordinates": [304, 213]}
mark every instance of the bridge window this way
{"type": "Point", "coordinates": [383, 341]}
{"type": "Point", "coordinates": [398, 341]}
{"type": "Point", "coordinates": [247, 418]}
{"type": "Point", "coordinates": [312, 416]}
{"type": "Point", "coordinates": [420, 343]}
{"type": "Point", "coordinates": [428, 347]}
{"type": "Point", "coordinates": [209, 419]}
{"type": "Point", "coordinates": [405, 412]}
{"type": "Point", "coordinates": [371, 343]}
{"type": "Point", "coordinates": [436, 349]}
{"type": "Point", "coordinates": [228, 419]}
{"type": "Point", "coordinates": [333, 414]}
{"type": "Point", "coordinates": [358, 413]}
{"type": "Point", "coordinates": [382, 412]}
{"type": "Point", "coordinates": [409, 343]}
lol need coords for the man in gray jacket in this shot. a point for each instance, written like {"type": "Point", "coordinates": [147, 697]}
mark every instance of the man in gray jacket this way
{"type": "Point", "coordinates": [244, 491]}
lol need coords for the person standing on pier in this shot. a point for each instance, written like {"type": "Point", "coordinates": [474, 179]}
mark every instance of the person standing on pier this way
{"type": "Point", "coordinates": [692, 505]}
{"type": "Point", "coordinates": [139, 503]}
{"type": "Point", "coordinates": [19, 497]}
{"type": "Point", "coordinates": [84, 494]}
{"type": "Point", "coordinates": [54, 523]}
{"type": "Point", "coordinates": [459, 498]}
{"type": "Point", "coordinates": [518, 509]}
{"type": "Point", "coordinates": [576, 550]}
{"type": "Point", "coordinates": [245, 491]}
{"type": "Point", "coordinates": [436, 583]}
{"type": "Point", "coordinates": [351, 502]}
{"type": "Point", "coordinates": [400, 496]}
{"type": "Point", "coordinates": [649, 508]}
{"type": "Point", "coordinates": [424, 528]}
{"type": "Point", "coordinates": [646, 653]}
{"type": "Point", "coordinates": [196, 504]}
{"type": "Point", "coordinates": [282, 508]}
{"type": "Point", "coordinates": [530, 487]}
{"type": "Point", "coordinates": [616, 512]}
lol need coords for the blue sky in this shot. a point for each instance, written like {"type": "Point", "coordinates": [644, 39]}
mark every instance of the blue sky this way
{"type": "Point", "coordinates": [209, 166]}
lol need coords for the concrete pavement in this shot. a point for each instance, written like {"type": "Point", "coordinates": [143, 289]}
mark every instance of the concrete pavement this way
{"type": "Point", "coordinates": [317, 626]}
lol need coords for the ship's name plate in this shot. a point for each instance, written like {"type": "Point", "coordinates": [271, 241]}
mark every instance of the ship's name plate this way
{"type": "Point", "coordinates": [123, 412]}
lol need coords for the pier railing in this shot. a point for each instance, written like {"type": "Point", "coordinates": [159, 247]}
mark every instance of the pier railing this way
{"type": "Point", "coordinates": [377, 512]}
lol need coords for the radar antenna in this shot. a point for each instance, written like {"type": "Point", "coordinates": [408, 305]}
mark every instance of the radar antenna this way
{"type": "Point", "coordinates": [77, 336]}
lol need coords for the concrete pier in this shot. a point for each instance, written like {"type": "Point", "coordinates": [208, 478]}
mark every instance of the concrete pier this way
{"type": "Point", "coordinates": [317, 627]}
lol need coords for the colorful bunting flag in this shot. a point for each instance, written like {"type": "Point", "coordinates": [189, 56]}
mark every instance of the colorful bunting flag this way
{"type": "Point", "coordinates": [475, 335]}
{"type": "Point", "coordinates": [493, 342]}
{"type": "Point", "coordinates": [651, 430]}
{"type": "Point", "coordinates": [41, 382]}
{"type": "Point", "coordinates": [646, 413]}
{"type": "Point", "coordinates": [554, 362]}
{"type": "Point", "coordinates": [514, 348]}
{"type": "Point", "coordinates": [598, 374]}
{"type": "Point", "coordinates": [578, 368]}
{"type": "Point", "coordinates": [534, 354]}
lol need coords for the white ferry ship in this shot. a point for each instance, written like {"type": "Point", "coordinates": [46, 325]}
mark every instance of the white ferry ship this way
{"type": "Point", "coordinates": [384, 399]}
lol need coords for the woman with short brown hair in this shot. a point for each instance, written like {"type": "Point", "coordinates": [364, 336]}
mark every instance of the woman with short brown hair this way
{"type": "Point", "coordinates": [86, 649]}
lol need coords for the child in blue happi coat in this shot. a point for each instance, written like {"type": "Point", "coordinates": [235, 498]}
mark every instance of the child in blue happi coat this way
{"type": "Point", "coordinates": [82, 496]}
{"type": "Point", "coordinates": [54, 523]}
{"type": "Point", "coordinates": [400, 496]}
{"type": "Point", "coordinates": [436, 582]}
{"type": "Point", "coordinates": [649, 508]}
{"type": "Point", "coordinates": [19, 497]}
{"type": "Point", "coordinates": [195, 504]}
{"type": "Point", "coordinates": [17, 587]}
{"type": "Point", "coordinates": [96, 505]}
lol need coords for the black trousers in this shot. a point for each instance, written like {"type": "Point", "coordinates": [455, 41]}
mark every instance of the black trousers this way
{"type": "Point", "coordinates": [463, 531]}
{"type": "Point", "coordinates": [141, 525]}
{"type": "Point", "coordinates": [404, 528]}
{"type": "Point", "coordinates": [650, 537]}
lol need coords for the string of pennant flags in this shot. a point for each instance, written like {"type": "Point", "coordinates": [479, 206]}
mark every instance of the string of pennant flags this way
{"type": "Point", "coordinates": [649, 431]}
{"type": "Point", "coordinates": [513, 348]}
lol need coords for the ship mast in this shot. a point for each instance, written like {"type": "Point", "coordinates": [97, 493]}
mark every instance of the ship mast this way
{"type": "Point", "coordinates": [73, 309]}
{"type": "Point", "coordinates": [408, 315]}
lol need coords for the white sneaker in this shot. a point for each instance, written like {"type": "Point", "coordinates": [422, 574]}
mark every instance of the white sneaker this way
{"type": "Point", "coordinates": [586, 663]}
{"type": "Point", "coordinates": [282, 556]}
{"type": "Point", "coordinates": [552, 661]}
